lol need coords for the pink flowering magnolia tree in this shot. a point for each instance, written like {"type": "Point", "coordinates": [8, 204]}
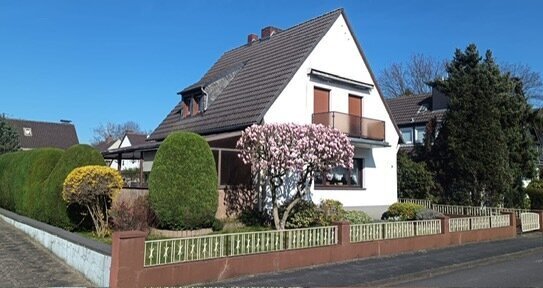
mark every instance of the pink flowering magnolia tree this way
{"type": "Point", "coordinates": [277, 151]}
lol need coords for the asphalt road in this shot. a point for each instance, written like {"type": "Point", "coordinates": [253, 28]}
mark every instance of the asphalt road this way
{"type": "Point", "coordinates": [390, 271]}
{"type": "Point", "coordinates": [525, 271]}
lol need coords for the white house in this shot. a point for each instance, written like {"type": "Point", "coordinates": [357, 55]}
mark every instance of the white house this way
{"type": "Point", "coordinates": [314, 72]}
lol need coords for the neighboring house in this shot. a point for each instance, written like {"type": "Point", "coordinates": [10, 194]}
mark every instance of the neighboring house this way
{"type": "Point", "coordinates": [133, 164]}
{"type": "Point", "coordinates": [314, 72]}
{"type": "Point", "coordinates": [411, 113]}
{"type": "Point", "coordinates": [38, 134]}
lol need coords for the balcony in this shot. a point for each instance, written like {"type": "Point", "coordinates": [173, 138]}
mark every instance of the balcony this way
{"type": "Point", "coordinates": [352, 125]}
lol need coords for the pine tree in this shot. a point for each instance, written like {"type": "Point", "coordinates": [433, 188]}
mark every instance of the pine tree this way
{"type": "Point", "coordinates": [470, 156]}
{"type": "Point", "coordinates": [9, 139]}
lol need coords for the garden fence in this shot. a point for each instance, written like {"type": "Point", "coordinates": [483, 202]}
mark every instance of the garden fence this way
{"type": "Point", "coordinates": [529, 222]}
{"type": "Point", "coordinates": [169, 251]}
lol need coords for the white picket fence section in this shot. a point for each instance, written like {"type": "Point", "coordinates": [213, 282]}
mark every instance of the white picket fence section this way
{"type": "Point", "coordinates": [428, 227]}
{"type": "Point", "coordinates": [480, 222]}
{"type": "Point", "coordinates": [500, 221]}
{"type": "Point", "coordinates": [459, 224]}
{"type": "Point", "coordinates": [529, 222]}
{"type": "Point", "coordinates": [464, 210]}
{"type": "Point", "coordinates": [393, 230]}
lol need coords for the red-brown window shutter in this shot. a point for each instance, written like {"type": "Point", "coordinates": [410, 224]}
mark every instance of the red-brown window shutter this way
{"type": "Point", "coordinates": [321, 102]}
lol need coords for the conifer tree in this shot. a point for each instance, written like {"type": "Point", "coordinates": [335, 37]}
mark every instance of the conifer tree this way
{"type": "Point", "coordinates": [471, 154]}
{"type": "Point", "coordinates": [9, 140]}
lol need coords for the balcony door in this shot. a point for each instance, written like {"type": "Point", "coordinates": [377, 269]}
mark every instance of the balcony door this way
{"type": "Point", "coordinates": [321, 106]}
{"type": "Point", "coordinates": [355, 114]}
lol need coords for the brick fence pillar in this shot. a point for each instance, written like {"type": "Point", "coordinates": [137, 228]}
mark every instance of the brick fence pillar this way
{"type": "Point", "coordinates": [343, 232]}
{"type": "Point", "coordinates": [127, 253]}
{"type": "Point", "coordinates": [444, 224]}
{"type": "Point", "coordinates": [541, 221]}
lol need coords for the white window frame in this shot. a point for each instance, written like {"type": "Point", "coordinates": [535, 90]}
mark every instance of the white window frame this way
{"type": "Point", "coordinates": [417, 134]}
{"type": "Point", "coordinates": [410, 130]}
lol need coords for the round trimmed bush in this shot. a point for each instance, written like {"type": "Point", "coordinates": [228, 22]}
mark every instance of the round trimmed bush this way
{"type": "Point", "coordinates": [357, 217]}
{"type": "Point", "coordinates": [53, 209]}
{"type": "Point", "coordinates": [183, 183]}
{"type": "Point", "coordinates": [402, 211]}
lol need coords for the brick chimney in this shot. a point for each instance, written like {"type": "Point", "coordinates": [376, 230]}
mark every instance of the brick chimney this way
{"type": "Point", "coordinates": [252, 38]}
{"type": "Point", "coordinates": [268, 32]}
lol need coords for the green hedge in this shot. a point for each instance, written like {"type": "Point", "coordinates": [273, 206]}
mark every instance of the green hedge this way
{"type": "Point", "coordinates": [183, 183]}
{"type": "Point", "coordinates": [31, 181]}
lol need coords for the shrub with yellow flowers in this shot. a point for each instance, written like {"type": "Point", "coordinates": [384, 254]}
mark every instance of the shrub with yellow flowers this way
{"type": "Point", "coordinates": [94, 187]}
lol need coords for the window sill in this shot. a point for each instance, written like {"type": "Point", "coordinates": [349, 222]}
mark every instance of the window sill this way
{"type": "Point", "coordinates": [339, 187]}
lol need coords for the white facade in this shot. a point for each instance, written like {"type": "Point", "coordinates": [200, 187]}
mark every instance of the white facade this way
{"type": "Point", "coordinates": [125, 164]}
{"type": "Point", "coordinates": [337, 53]}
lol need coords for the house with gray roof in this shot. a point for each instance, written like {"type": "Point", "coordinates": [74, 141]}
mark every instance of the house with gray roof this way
{"type": "Point", "coordinates": [39, 134]}
{"type": "Point", "coordinates": [413, 112]}
{"type": "Point", "coordinates": [313, 72]}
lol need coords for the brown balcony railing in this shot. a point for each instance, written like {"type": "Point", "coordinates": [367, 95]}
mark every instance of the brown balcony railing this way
{"type": "Point", "coordinates": [352, 125]}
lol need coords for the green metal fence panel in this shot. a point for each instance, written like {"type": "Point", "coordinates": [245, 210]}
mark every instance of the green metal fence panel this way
{"type": "Point", "coordinates": [255, 242]}
{"type": "Point", "coordinates": [311, 237]}
{"type": "Point", "coordinates": [366, 232]}
{"type": "Point", "coordinates": [168, 251]}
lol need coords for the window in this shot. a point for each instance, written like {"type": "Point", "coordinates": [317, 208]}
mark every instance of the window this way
{"type": "Point", "coordinates": [27, 132]}
{"type": "Point", "coordinates": [342, 177]}
{"type": "Point", "coordinates": [407, 135]}
{"type": "Point", "coordinates": [186, 108]}
{"type": "Point", "coordinates": [419, 134]}
{"type": "Point", "coordinates": [195, 107]}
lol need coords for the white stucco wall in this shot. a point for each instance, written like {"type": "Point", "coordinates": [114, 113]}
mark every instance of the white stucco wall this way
{"type": "Point", "coordinates": [337, 53]}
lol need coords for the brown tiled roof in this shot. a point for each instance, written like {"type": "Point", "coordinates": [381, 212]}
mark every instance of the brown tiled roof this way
{"type": "Point", "coordinates": [413, 109]}
{"type": "Point", "coordinates": [45, 134]}
{"type": "Point", "coordinates": [104, 145]}
{"type": "Point", "coordinates": [266, 66]}
{"type": "Point", "coordinates": [136, 139]}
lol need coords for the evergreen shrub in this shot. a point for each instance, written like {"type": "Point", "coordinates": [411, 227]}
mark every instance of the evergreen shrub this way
{"type": "Point", "coordinates": [183, 183]}
{"type": "Point", "coordinates": [402, 211]}
{"type": "Point", "coordinates": [535, 192]}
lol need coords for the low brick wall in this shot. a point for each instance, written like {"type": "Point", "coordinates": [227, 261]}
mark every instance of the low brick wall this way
{"type": "Point", "coordinates": [127, 268]}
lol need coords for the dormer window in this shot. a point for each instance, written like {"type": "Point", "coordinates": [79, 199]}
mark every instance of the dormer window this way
{"type": "Point", "coordinates": [192, 105]}
{"type": "Point", "coordinates": [27, 132]}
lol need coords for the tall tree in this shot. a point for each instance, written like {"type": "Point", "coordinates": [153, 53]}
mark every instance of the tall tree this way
{"type": "Point", "coordinates": [483, 149]}
{"type": "Point", "coordinates": [532, 85]}
{"type": "Point", "coordinates": [9, 139]}
{"type": "Point", "coordinates": [412, 77]}
{"type": "Point", "coordinates": [111, 131]}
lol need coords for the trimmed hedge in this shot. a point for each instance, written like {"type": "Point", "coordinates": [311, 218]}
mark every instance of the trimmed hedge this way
{"type": "Point", "coordinates": [53, 209]}
{"type": "Point", "coordinates": [183, 183]}
{"type": "Point", "coordinates": [26, 182]}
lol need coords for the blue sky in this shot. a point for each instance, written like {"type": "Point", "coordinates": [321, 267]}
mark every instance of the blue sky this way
{"type": "Point", "coordinates": [114, 61]}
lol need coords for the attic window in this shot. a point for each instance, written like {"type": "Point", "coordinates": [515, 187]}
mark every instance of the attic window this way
{"type": "Point", "coordinates": [422, 108]}
{"type": "Point", "coordinates": [27, 132]}
{"type": "Point", "coordinates": [192, 106]}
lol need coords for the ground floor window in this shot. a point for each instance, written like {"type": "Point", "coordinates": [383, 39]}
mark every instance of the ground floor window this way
{"type": "Point", "coordinates": [340, 177]}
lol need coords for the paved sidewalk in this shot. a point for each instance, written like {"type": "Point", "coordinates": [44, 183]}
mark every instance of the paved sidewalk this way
{"type": "Point", "coordinates": [25, 263]}
{"type": "Point", "coordinates": [379, 271]}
